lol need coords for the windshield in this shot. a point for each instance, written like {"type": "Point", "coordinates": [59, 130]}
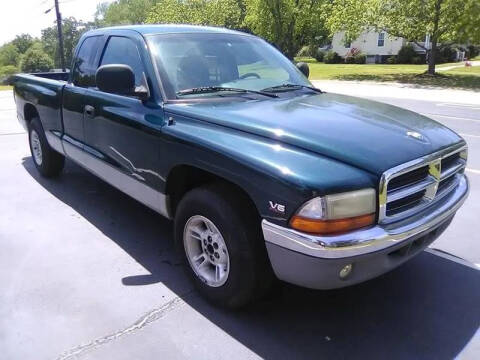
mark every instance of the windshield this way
{"type": "Point", "coordinates": [191, 61]}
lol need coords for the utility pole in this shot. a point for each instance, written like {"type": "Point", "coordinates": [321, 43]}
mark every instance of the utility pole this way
{"type": "Point", "coordinates": [60, 35]}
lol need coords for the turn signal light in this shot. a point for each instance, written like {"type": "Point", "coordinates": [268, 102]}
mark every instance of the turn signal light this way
{"type": "Point", "coordinates": [326, 227]}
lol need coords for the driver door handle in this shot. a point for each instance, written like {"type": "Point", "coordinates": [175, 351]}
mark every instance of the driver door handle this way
{"type": "Point", "coordinates": [89, 111]}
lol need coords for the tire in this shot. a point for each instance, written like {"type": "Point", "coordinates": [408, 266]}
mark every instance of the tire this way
{"type": "Point", "coordinates": [247, 275]}
{"type": "Point", "coordinates": [48, 162]}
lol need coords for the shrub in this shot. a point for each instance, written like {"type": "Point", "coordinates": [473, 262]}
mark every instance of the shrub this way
{"type": "Point", "coordinates": [447, 54]}
{"type": "Point", "coordinates": [391, 60]}
{"type": "Point", "coordinates": [360, 59]}
{"type": "Point", "coordinates": [304, 51]}
{"type": "Point", "coordinates": [417, 60]}
{"type": "Point", "coordinates": [473, 51]}
{"type": "Point", "coordinates": [36, 59]}
{"type": "Point", "coordinates": [319, 55]}
{"type": "Point", "coordinates": [307, 51]}
{"type": "Point", "coordinates": [6, 72]}
{"type": "Point", "coordinates": [350, 55]}
{"type": "Point", "coordinates": [406, 54]}
{"type": "Point", "coordinates": [350, 60]}
{"type": "Point", "coordinates": [331, 57]}
{"type": "Point", "coordinates": [9, 55]}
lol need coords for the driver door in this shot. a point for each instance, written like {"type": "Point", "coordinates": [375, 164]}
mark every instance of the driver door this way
{"type": "Point", "coordinates": [122, 133]}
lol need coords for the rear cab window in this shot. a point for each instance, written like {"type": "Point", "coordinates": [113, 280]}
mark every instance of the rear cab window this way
{"type": "Point", "coordinates": [84, 68]}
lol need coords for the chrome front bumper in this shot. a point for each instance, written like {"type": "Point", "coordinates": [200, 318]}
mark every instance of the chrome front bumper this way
{"type": "Point", "coordinates": [356, 246]}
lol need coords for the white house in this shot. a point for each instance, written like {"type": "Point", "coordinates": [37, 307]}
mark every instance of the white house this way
{"type": "Point", "coordinates": [376, 45]}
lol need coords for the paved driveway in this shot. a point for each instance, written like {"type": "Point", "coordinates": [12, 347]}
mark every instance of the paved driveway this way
{"type": "Point", "coordinates": [457, 109]}
{"type": "Point", "coordinates": [88, 273]}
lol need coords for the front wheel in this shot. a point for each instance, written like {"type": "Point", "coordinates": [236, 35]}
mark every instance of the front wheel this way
{"type": "Point", "coordinates": [222, 246]}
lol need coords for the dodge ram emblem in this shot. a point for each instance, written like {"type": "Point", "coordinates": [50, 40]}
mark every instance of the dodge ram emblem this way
{"type": "Point", "coordinates": [415, 135]}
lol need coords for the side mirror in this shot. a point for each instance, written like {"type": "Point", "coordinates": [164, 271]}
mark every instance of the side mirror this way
{"type": "Point", "coordinates": [303, 67]}
{"type": "Point", "coordinates": [116, 79]}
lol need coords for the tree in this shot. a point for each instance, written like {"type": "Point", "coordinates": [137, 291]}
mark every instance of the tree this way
{"type": "Point", "coordinates": [445, 21]}
{"type": "Point", "coordinates": [227, 13]}
{"type": "Point", "coordinates": [72, 31]}
{"type": "Point", "coordinates": [36, 59]}
{"type": "Point", "coordinates": [123, 12]}
{"type": "Point", "coordinates": [22, 42]}
{"type": "Point", "coordinates": [9, 55]}
{"type": "Point", "coordinates": [99, 17]}
{"type": "Point", "coordinates": [289, 24]}
{"type": "Point", "coordinates": [6, 72]}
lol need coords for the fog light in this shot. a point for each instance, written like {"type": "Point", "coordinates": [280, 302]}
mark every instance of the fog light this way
{"type": "Point", "coordinates": [346, 270]}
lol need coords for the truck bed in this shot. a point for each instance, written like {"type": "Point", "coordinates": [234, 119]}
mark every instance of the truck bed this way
{"type": "Point", "coordinates": [40, 94]}
{"type": "Point", "coordinates": [58, 75]}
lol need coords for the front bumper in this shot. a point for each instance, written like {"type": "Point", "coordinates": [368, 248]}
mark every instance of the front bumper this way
{"type": "Point", "coordinates": [315, 261]}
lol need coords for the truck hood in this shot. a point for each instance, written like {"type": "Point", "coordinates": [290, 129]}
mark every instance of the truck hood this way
{"type": "Point", "coordinates": [366, 134]}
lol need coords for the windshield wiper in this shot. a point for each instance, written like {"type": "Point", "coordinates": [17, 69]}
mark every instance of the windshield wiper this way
{"type": "Point", "coordinates": [214, 89]}
{"type": "Point", "coordinates": [290, 87]}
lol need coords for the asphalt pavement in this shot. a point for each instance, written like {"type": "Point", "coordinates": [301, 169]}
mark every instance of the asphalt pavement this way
{"type": "Point", "coordinates": [88, 273]}
{"type": "Point", "coordinates": [456, 109]}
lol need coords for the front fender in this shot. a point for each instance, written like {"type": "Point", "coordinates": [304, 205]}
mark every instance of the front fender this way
{"type": "Point", "coordinates": [268, 170]}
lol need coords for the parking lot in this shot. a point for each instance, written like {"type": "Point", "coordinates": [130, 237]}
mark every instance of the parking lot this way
{"type": "Point", "coordinates": [89, 273]}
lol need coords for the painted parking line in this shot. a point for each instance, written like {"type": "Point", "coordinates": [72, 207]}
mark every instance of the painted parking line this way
{"type": "Point", "coordinates": [13, 133]}
{"type": "Point", "coordinates": [454, 105]}
{"type": "Point", "coordinates": [474, 171]}
{"type": "Point", "coordinates": [451, 257]}
{"type": "Point", "coordinates": [451, 117]}
{"type": "Point", "coordinates": [470, 135]}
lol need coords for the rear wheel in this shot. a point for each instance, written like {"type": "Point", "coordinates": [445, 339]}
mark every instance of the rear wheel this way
{"type": "Point", "coordinates": [222, 245]}
{"type": "Point", "coordinates": [47, 161]}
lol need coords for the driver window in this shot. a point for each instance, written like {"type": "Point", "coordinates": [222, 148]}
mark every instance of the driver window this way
{"type": "Point", "coordinates": [122, 50]}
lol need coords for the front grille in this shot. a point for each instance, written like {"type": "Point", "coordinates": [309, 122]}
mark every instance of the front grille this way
{"type": "Point", "coordinates": [450, 160]}
{"type": "Point", "coordinates": [408, 178]}
{"type": "Point", "coordinates": [404, 203]}
{"type": "Point", "coordinates": [411, 187]}
{"type": "Point", "coordinates": [445, 183]}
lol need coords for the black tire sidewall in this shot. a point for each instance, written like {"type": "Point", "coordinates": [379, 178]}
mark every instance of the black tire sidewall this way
{"type": "Point", "coordinates": [37, 127]}
{"type": "Point", "coordinates": [52, 162]}
{"type": "Point", "coordinates": [240, 284]}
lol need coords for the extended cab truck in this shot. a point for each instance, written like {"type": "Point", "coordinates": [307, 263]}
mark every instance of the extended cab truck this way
{"type": "Point", "coordinates": [262, 173]}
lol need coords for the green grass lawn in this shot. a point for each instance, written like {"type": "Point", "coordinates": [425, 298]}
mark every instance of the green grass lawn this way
{"type": "Point", "coordinates": [466, 78]}
{"type": "Point", "coordinates": [5, 87]}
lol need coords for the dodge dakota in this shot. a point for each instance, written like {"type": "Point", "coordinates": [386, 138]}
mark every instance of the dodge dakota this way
{"type": "Point", "coordinates": [263, 175]}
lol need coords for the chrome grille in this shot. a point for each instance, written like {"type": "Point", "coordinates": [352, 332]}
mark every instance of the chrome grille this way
{"type": "Point", "coordinates": [411, 187]}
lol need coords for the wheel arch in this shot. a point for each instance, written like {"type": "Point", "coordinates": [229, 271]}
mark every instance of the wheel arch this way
{"type": "Point", "coordinates": [183, 178]}
{"type": "Point", "coordinates": [29, 112]}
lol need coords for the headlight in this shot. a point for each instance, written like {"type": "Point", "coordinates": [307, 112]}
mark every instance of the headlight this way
{"type": "Point", "coordinates": [336, 213]}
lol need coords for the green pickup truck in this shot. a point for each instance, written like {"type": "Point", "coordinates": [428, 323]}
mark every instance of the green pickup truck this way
{"type": "Point", "coordinates": [264, 175]}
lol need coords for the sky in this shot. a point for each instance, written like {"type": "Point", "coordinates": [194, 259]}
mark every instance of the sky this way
{"type": "Point", "coordinates": [28, 16]}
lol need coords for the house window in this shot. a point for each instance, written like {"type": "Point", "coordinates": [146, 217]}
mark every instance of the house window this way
{"type": "Point", "coordinates": [347, 44]}
{"type": "Point", "coordinates": [381, 39]}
